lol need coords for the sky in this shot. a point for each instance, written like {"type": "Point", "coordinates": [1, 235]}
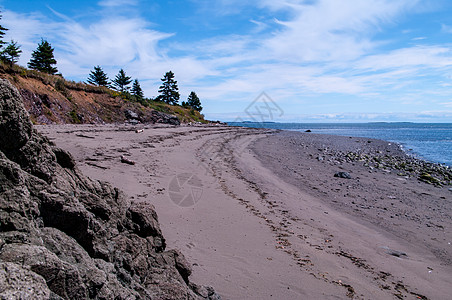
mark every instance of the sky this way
{"type": "Point", "coordinates": [310, 60]}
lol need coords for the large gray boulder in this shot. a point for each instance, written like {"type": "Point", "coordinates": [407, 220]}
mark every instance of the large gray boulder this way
{"type": "Point", "coordinates": [64, 236]}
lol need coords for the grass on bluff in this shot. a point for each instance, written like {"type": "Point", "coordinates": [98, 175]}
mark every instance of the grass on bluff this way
{"type": "Point", "coordinates": [59, 83]}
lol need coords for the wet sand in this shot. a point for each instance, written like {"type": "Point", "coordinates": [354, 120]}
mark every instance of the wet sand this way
{"type": "Point", "coordinates": [260, 215]}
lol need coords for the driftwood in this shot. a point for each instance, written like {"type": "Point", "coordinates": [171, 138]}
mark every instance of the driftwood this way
{"type": "Point", "coordinates": [96, 165]}
{"type": "Point", "coordinates": [139, 130]}
{"type": "Point", "coordinates": [125, 160]}
{"type": "Point", "coordinates": [85, 136]}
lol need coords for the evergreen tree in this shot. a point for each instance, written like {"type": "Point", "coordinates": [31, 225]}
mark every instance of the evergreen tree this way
{"type": "Point", "coordinates": [98, 77]}
{"type": "Point", "coordinates": [2, 33]}
{"type": "Point", "coordinates": [42, 58]}
{"type": "Point", "coordinates": [194, 102]}
{"type": "Point", "coordinates": [122, 81]}
{"type": "Point", "coordinates": [11, 53]}
{"type": "Point", "coordinates": [169, 92]}
{"type": "Point", "coordinates": [137, 91]}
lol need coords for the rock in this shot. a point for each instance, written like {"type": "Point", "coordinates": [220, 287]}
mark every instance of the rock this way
{"type": "Point", "coordinates": [343, 175]}
{"type": "Point", "coordinates": [19, 283]}
{"type": "Point", "coordinates": [64, 236]}
{"type": "Point", "coordinates": [427, 178]}
{"type": "Point", "coordinates": [125, 160]}
{"type": "Point", "coordinates": [131, 115]}
{"type": "Point", "coordinates": [159, 117]}
{"type": "Point", "coordinates": [309, 130]}
{"type": "Point", "coordinates": [14, 125]}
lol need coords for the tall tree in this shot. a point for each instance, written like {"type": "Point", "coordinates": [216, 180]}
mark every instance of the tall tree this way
{"type": "Point", "coordinates": [137, 91]}
{"type": "Point", "coordinates": [122, 81]}
{"type": "Point", "coordinates": [194, 102]}
{"type": "Point", "coordinates": [42, 58]}
{"type": "Point", "coordinates": [2, 33]}
{"type": "Point", "coordinates": [169, 92]}
{"type": "Point", "coordinates": [11, 53]}
{"type": "Point", "coordinates": [98, 77]}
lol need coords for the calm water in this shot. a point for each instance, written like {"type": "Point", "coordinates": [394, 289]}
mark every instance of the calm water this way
{"type": "Point", "coordinates": [430, 141]}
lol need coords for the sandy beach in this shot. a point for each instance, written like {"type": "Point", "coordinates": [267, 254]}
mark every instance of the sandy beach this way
{"type": "Point", "coordinates": [260, 215]}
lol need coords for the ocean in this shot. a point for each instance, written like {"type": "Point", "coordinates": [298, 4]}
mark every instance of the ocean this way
{"type": "Point", "coordinates": [428, 141]}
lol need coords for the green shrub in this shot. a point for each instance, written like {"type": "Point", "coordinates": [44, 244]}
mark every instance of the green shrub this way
{"type": "Point", "coordinates": [74, 116]}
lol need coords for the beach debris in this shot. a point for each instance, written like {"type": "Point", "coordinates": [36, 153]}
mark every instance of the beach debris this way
{"type": "Point", "coordinates": [427, 178]}
{"type": "Point", "coordinates": [96, 165]}
{"type": "Point", "coordinates": [345, 175]}
{"type": "Point", "coordinates": [139, 130]}
{"type": "Point", "coordinates": [395, 253]}
{"type": "Point", "coordinates": [125, 160]}
{"type": "Point", "coordinates": [85, 136]}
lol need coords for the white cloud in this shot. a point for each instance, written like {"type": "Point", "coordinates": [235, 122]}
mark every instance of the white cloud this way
{"type": "Point", "coordinates": [330, 30]}
{"type": "Point", "coordinates": [116, 3]}
{"type": "Point", "coordinates": [427, 56]}
{"type": "Point", "coordinates": [446, 28]}
{"type": "Point", "coordinates": [447, 104]}
{"type": "Point", "coordinates": [112, 42]}
{"type": "Point", "coordinates": [315, 49]}
{"type": "Point", "coordinates": [427, 116]}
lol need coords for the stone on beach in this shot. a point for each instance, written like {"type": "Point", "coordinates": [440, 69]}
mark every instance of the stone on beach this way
{"type": "Point", "coordinates": [345, 175]}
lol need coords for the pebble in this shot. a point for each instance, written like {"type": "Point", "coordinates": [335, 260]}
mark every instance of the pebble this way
{"type": "Point", "coordinates": [343, 175]}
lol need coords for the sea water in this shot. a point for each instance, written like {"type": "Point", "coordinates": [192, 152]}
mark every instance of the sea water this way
{"type": "Point", "coordinates": [429, 141]}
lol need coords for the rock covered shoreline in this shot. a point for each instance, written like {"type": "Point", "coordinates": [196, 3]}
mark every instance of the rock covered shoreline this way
{"type": "Point", "coordinates": [64, 236]}
{"type": "Point", "coordinates": [405, 165]}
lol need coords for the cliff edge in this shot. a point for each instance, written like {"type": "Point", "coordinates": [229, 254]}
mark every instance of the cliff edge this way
{"type": "Point", "coordinates": [64, 236]}
{"type": "Point", "coordinates": [51, 99]}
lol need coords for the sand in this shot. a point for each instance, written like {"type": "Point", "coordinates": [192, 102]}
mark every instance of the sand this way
{"type": "Point", "coordinates": [259, 214]}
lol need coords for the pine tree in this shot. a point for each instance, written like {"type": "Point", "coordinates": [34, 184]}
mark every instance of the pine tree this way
{"type": "Point", "coordinates": [98, 77]}
{"type": "Point", "coordinates": [2, 33]}
{"type": "Point", "coordinates": [122, 81]}
{"type": "Point", "coordinates": [11, 53]}
{"type": "Point", "coordinates": [42, 58]}
{"type": "Point", "coordinates": [194, 102]}
{"type": "Point", "coordinates": [137, 91]}
{"type": "Point", "coordinates": [169, 92]}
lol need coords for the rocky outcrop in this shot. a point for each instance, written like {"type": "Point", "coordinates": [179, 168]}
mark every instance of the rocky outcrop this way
{"type": "Point", "coordinates": [150, 117]}
{"type": "Point", "coordinates": [160, 117]}
{"type": "Point", "coordinates": [64, 236]}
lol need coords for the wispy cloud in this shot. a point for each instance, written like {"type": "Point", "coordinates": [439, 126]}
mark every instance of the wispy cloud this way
{"type": "Point", "coordinates": [113, 42]}
{"type": "Point", "coordinates": [447, 104]}
{"type": "Point", "coordinates": [446, 28]}
{"type": "Point", "coordinates": [425, 116]}
{"type": "Point", "coordinates": [117, 3]}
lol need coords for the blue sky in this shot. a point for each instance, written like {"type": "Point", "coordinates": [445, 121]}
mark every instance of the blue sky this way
{"type": "Point", "coordinates": [318, 60]}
